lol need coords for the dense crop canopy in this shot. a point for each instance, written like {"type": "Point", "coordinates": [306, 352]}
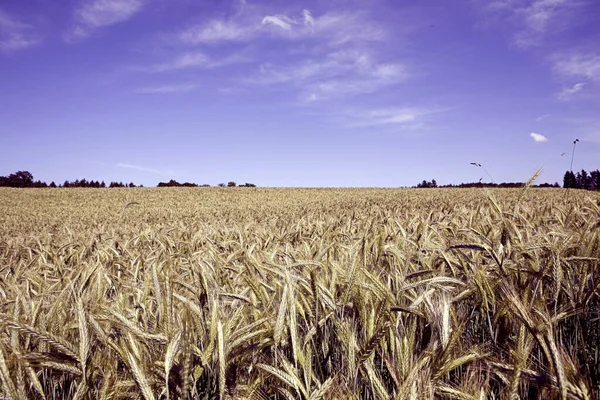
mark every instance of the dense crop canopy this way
{"type": "Point", "coordinates": [299, 293]}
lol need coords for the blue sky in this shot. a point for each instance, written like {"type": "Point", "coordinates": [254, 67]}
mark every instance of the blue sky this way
{"type": "Point", "coordinates": [299, 93]}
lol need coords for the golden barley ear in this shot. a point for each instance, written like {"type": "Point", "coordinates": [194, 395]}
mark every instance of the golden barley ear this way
{"type": "Point", "coordinates": [8, 384]}
{"type": "Point", "coordinates": [139, 376]}
{"type": "Point", "coordinates": [58, 343]}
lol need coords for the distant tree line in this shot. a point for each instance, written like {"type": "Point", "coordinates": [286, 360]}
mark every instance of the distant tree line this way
{"type": "Point", "coordinates": [433, 184]}
{"type": "Point", "coordinates": [24, 179]}
{"type": "Point", "coordinates": [95, 184]}
{"type": "Point", "coordinates": [582, 180]}
{"type": "Point", "coordinates": [503, 185]}
{"type": "Point", "coordinates": [173, 182]}
{"type": "Point", "coordinates": [21, 179]}
{"type": "Point", "coordinates": [426, 184]}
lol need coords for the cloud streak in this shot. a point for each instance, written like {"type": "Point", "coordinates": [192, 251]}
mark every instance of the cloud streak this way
{"type": "Point", "coordinates": [538, 138]}
{"type": "Point", "coordinates": [280, 21]}
{"type": "Point", "coordinates": [94, 14]}
{"type": "Point", "coordinates": [286, 23]}
{"type": "Point", "coordinates": [184, 61]}
{"type": "Point", "coordinates": [218, 31]}
{"type": "Point", "coordinates": [181, 88]}
{"type": "Point", "coordinates": [193, 60]}
{"type": "Point", "coordinates": [145, 169]}
{"type": "Point", "coordinates": [333, 28]}
{"type": "Point", "coordinates": [567, 93]}
{"type": "Point", "coordinates": [405, 118]}
{"type": "Point", "coordinates": [547, 28]}
{"type": "Point", "coordinates": [537, 18]}
{"type": "Point", "coordinates": [578, 65]}
{"type": "Point", "coordinates": [333, 55]}
{"type": "Point", "coordinates": [15, 34]}
{"type": "Point", "coordinates": [401, 116]}
{"type": "Point", "coordinates": [310, 57]}
{"type": "Point", "coordinates": [542, 117]}
{"type": "Point", "coordinates": [339, 73]}
{"type": "Point", "coordinates": [308, 18]}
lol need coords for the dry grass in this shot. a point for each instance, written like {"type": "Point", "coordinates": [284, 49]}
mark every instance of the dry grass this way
{"type": "Point", "coordinates": [299, 294]}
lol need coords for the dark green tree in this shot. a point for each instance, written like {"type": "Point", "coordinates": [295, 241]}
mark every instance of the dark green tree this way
{"type": "Point", "coordinates": [20, 179]}
{"type": "Point", "coordinates": [595, 180]}
{"type": "Point", "coordinates": [583, 180]}
{"type": "Point", "coordinates": [569, 180]}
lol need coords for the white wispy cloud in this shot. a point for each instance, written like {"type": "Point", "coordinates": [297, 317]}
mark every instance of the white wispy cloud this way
{"type": "Point", "coordinates": [93, 14]}
{"type": "Point", "coordinates": [342, 66]}
{"type": "Point", "coordinates": [578, 65]}
{"type": "Point", "coordinates": [145, 169]}
{"type": "Point", "coordinates": [187, 60]}
{"type": "Point", "coordinates": [17, 42]}
{"type": "Point", "coordinates": [540, 13]}
{"type": "Point", "coordinates": [567, 93]}
{"type": "Point", "coordinates": [388, 71]}
{"type": "Point", "coordinates": [348, 27]}
{"type": "Point", "coordinates": [186, 87]}
{"type": "Point", "coordinates": [9, 22]}
{"type": "Point", "coordinates": [308, 18]}
{"type": "Point", "coordinates": [344, 86]}
{"type": "Point", "coordinates": [286, 23]}
{"type": "Point", "coordinates": [282, 21]}
{"type": "Point", "coordinates": [339, 73]}
{"type": "Point", "coordinates": [15, 34]}
{"type": "Point", "coordinates": [542, 117]}
{"type": "Point", "coordinates": [550, 27]}
{"type": "Point", "coordinates": [99, 13]}
{"type": "Point", "coordinates": [538, 138]}
{"type": "Point", "coordinates": [406, 118]}
{"type": "Point", "coordinates": [536, 20]}
{"type": "Point", "coordinates": [219, 31]}
{"type": "Point", "coordinates": [194, 59]}
{"type": "Point", "coordinates": [333, 28]}
{"type": "Point", "coordinates": [396, 116]}
{"type": "Point", "coordinates": [336, 56]}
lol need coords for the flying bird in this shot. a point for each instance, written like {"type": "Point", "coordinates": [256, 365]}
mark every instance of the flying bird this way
{"type": "Point", "coordinates": [563, 154]}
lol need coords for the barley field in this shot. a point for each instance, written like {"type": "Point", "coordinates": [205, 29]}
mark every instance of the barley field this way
{"type": "Point", "coordinates": [239, 293]}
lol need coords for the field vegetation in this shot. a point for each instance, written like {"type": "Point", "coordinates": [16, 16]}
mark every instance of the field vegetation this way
{"type": "Point", "coordinates": [180, 293]}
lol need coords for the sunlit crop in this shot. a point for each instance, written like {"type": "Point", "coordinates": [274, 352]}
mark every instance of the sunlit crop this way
{"type": "Point", "coordinates": [177, 293]}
